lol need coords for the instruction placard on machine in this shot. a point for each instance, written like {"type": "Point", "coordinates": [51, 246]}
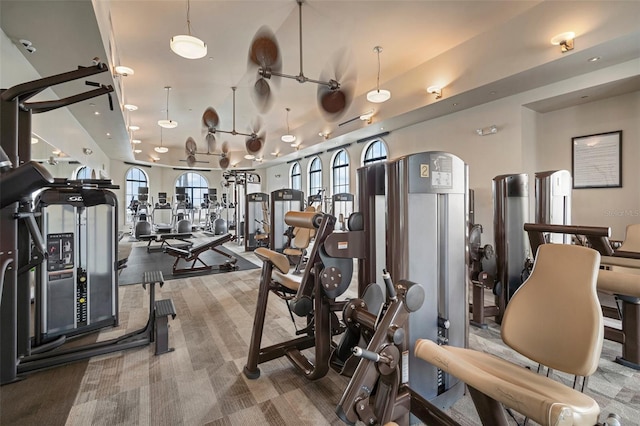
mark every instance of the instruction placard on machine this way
{"type": "Point", "coordinates": [60, 256]}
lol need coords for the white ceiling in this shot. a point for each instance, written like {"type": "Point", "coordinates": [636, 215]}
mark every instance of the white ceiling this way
{"type": "Point", "coordinates": [478, 50]}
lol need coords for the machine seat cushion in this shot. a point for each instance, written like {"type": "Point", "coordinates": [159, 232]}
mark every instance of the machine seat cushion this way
{"type": "Point", "coordinates": [280, 261]}
{"type": "Point", "coordinates": [290, 281]}
{"type": "Point", "coordinates": [542, 399]}
{"type": "Point", "coordinates": [293, 252]}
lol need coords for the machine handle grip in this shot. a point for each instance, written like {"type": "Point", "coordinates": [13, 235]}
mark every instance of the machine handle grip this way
{"type": "Point", "coordinates": [363, 353]}
{"type": "Point", "coordinates": [391, 290]}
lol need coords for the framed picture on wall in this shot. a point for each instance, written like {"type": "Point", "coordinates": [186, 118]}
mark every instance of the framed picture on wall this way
{"type": "Point", "coordinates": [597, 160]}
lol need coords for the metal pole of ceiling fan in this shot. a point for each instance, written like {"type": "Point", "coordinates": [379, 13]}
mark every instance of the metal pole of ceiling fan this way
{"type": "Point", "coordinates": [234, 110]}
{"type": "Point", "coordinates": [301, 77]}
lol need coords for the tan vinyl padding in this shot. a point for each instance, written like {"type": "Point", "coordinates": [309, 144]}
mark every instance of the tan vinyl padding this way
{"type": "Point", "coordinates": [625, 262]}
{"type": "Point", "coordinates": [555, 317]}
{"type": "Point", "coordinates": [290, 281]}
{"type": "Point", "coordinates": [542, 399]}
{"type": "Point", "coordinates": [631, 239]}
{"type": "Point", "coordinates": [280, 261]}
{"type": "Point", "coordinates": [614, 282]}
{"type": "Point", "coordinates": [302, 219]}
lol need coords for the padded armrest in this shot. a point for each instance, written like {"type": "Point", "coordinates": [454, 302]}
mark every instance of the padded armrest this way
{"type": "Point", "coordinates": [621, 283]}
{"type": "Point", "coordinates": [280, 261]}
{"type": "Point", "coordinates": [544, 400]}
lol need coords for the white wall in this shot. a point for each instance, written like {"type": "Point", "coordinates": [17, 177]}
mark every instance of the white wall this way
{"type": "Point", "coordinates": [614, 207]}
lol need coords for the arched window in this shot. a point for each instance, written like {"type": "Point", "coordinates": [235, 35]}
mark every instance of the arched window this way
{"type": "Point", "coordinates": [135, 179]}
{"type": "Point", "coordinates": [376, 152]}
{"type": "Point", "coordinates": [83, 172]}
{"type": "Point", "coordinates": [340, 170]}
{"type": "Point", "coordinates": [195, 186]}
{"type": "Point", "coordinates": [296, 177]}
{"type": "Point", "coordinates": [315, 176]}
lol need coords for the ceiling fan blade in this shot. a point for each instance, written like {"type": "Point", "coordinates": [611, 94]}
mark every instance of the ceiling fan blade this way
{"type": "Point", "coordinates": [191, 160]}
{"type": "Point", "coordinates": [264, 50]}
{"type": "Point", "coordinates": [254, 144]}
{"type": "Point", "coordinates": [261, 95]}
{"type": "Point", "coordinates": [211, 142]}
{"type": "Point", "coordinates": [190, 146]}
{"type": "Point", "coordinates": [210, 118]}
{"type": "Point", "coordinates": [225, 147]}
{"type": "Point", "coordinates": [224, 163]}
{"type": "Point", "coordinates": [335, 102]}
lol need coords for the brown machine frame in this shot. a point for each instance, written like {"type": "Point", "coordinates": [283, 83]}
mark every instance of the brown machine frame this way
{"type": "Point", "coordinates": [312, 300]}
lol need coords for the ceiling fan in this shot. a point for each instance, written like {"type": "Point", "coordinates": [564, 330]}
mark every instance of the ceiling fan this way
{"type": "Point", "coordinates": [335, 91]}
{"type": "Point", "coordinates": [210, 120]}
{"type": "Point", "coordinates": [191, 149]}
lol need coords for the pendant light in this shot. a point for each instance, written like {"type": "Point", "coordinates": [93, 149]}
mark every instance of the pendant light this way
{"type": "Point", "coordinates": [378, 96]}
{"type": "Point", "coordinates": [288, 138]}
{"type": "Point", "coordinates": [188, 46]}
{"type": "Point", "coordinates": [161, 149]}
{"type": "Point", "coordinates": [168, 124]}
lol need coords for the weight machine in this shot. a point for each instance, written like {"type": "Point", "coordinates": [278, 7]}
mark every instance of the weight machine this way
{"type": "Point", "coordinates": [256, 221]}
{"type": "Point", "coordinates": [238, 183]}
{"type": "Point", "coordinates": [510, 213]}
{"type": "Point", "coordinates": [341, 208]}
{"type": "Point", "coordinates": [282, 201]}
{"type": "Point", "coordinates": [23, 246]}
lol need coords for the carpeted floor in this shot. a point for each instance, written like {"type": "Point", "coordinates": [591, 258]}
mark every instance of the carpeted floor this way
{"type": "Point", "coordinates": [140, 260]}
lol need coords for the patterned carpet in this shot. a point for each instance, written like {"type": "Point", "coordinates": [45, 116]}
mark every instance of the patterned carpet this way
{"type": "Point", "coordinates": [201, 382]}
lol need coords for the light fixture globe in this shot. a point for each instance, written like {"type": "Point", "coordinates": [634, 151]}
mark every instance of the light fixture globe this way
{"type": "Point", "coordinates": [288, 138]}
{"type": "Point", "coordinates": [168, 124]}
{"type": "Point", "coordinates": [188, 46]}
{"type": "Point", "coordinates": [378, 96]}
{"type": "Point", "coordinates": [161, 149]}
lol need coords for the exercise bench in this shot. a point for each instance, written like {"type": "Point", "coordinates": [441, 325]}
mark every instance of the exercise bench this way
{"type": "Point", "coordinates": [193, 255]}
{"type": "Point", "coordinates": [163, 240]}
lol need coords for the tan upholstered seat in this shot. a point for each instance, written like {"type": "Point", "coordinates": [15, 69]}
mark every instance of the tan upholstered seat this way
{"type": "Point", "coordinates": [554, 319]}
{"type": "Point", "coordinates": [280, 262]}
{"type": "Point", "coordinates": [290, 281]}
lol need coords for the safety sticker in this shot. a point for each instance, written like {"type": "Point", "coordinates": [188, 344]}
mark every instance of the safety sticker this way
{"type": "Point", "coordinates": [405, 366]}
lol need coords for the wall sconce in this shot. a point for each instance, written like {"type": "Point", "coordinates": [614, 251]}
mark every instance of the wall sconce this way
{"type": "Point", "coordinates": [123, 71]}
{"type": "Point", "coordinates": [564, 40]}
{"type": "Point", "coordinates": [367, 116]}
{"type": "Point", "coordinates": [485, 131]}
{"type": "Point", "coordinates": [435, 90]}
{"type": "Point", "coordinates": [87, 151]}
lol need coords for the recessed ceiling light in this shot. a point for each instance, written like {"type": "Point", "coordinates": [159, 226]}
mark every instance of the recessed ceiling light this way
{"type": "Point", "coordinates": [134, 128]}
{"type": "Point", "coordinates": [136, 141]}
{"type": "Point", "coordinates": [594, 59]}
{"type": "Point", "coordinates": [108, 134]}
{"type": "Point", "coordinates": [137, 151]}
{"type": "Point", "coordinates": [96, 112]}
{"type": "Point", "coordinates": [56, 152]}
{"type": "Point", "coordinates": [249, 156]}
{"type": "Point", "coordinates": [161, 149]}
{"type": "Point", "coordinates": [34, 140]}
{"type": "Point", "coordinates": [130, 107]}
